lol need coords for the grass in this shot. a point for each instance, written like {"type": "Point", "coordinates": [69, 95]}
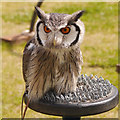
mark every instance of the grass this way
{"type": "Point", "coordinates": [99, 48]}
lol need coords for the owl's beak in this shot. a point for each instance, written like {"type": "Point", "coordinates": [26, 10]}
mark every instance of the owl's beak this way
{"type": "Point", "coordinates": [56, 41]}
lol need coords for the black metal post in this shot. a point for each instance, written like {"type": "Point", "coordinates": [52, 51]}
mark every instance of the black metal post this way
{"type": "Point", "coordinates": [34, 16]}
{"type": "Point", "coordinates": [71, 118]}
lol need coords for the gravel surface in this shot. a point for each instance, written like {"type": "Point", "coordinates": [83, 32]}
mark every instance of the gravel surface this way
{"type": "Point", "coordinates": [89, 89]}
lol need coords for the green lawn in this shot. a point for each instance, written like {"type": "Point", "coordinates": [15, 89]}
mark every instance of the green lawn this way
{"type": "Point", "coordinates": [99, 48]}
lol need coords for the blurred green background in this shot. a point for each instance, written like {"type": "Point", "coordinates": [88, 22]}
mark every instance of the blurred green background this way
{"type": "Point", "coordinates": [99, 48]}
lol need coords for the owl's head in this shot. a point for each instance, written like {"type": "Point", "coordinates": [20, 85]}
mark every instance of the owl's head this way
{"type": "Point", "coordinates": [56, 30]}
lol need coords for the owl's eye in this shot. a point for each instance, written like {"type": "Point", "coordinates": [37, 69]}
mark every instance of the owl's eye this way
{"type": "Point", "coordinates": [46, 29]}
{"type": "Point", "coordinates": [65, 30]}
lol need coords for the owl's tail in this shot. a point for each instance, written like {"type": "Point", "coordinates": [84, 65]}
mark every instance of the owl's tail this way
{"type": "Point", "coordinates": [23, 114]}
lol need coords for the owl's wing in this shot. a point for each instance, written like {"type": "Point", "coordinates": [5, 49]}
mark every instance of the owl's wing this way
{"type": "Point", "coordinates": [26, 56]}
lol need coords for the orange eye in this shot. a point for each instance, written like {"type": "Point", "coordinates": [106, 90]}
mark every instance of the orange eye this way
{"type": "Point", "coordinates": [46, 29]}
{"type": "Point", "coordinates": [65, 30]}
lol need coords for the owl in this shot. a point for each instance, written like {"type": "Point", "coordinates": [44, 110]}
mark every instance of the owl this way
{"type": "Point", "coordinates": [53, 59]}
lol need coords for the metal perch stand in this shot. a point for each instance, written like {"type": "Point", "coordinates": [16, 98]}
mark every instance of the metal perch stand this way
{"type": "Point", "coordinates": [92, 97]}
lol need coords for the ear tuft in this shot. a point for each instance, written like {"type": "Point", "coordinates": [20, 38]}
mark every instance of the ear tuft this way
{"type": "Point", "coordinates": [74, 17]}
{"type": "Point", "coordinates": [38, 12]}
{"type": "Point", "coordinates": [78, 15]}
{"type": "Point", "coordinates": [41, 14]}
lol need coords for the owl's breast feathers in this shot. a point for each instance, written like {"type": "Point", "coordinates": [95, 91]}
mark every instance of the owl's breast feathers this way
{"type": "Point", "coordinates": [45, 69]}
